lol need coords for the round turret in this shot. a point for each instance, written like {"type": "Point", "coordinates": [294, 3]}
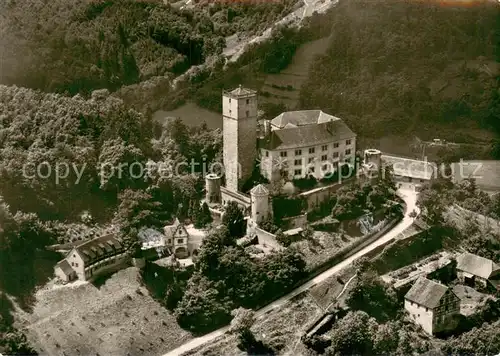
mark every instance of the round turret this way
{"type": "Point", "coordinates": [212, 189]}
{"type": "Point", "coordinates": [260, 203]}
{"type": "Point", "coordinates": [373, 158]}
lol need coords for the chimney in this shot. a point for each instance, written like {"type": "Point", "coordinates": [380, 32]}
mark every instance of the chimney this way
{"type": "Point", "coordinates": [329, 127]}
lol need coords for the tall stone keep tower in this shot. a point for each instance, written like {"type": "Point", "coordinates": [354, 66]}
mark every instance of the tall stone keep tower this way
{"type": "Point", "coordinates": [239, 110]}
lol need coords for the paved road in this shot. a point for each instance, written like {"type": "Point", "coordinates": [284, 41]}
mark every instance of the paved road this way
{"type": "Point", "coordinates": [406, 192]}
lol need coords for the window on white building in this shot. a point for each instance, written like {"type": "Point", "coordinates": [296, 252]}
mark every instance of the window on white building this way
{"type": "Point", "coordinates": [324, 157]}
{"type": "Point", "coordinates": [267, 153]}
{"type": "Point", "coordinates": [348, 151]}
{"type": "Point", "coordinates": [310, 160]}
{"type": "Point", "coordinates": [347, 142]}
{"type": "Point", "coordinates": [298, 172]}
{"type": "Point", "coordinates": [179, 241]}
{"type": "Point", "coordinates": [324, 148]}
{"type": "Point", "coordinates": [283, 153]}
{"type": "Point", "coordinates": [311, 170]}
{"type": "Point", "coordinates": [311, 150]}
{"type": "Point", "coordinates": [336, 145]}
{"type": "Point", "coordinates": [298, 162]}
{"type": "Point", "coordinates": [298, 152]}
{"type": "Point", "coordinates": [248, 101]}
{"type": "Point", "coordinates": [335, 154]}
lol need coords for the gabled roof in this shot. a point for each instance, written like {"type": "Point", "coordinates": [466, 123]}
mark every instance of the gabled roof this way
{"type": "Point", "coordinates": [476, 265]}
{"type": "Point", "coordinates": [426, 293]}
{"type": "Point", "coordinates": [171, 230]}
{"type": "Point", "coordinates": [296, 129]}
{"type": "Point", "coordinates": [95, 248]}
{"type": "Point", "coordinates": [65, 267]}
{"type": "Point", "coordinates": [259, 190]}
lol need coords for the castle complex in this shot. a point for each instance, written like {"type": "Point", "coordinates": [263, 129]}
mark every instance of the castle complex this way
{"type": "Point", "coordinates": [293, 145]}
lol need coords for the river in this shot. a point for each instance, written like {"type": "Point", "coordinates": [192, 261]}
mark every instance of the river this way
{"type": "Point", "coordinates": [192, 115]}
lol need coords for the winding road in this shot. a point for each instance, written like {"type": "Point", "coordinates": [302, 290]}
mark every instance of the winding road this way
{"type": "Point", "coordinates": [406, 192]}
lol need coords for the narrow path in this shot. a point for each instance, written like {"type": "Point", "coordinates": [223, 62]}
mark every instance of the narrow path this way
{"type": "Point", "coordinates": [406, 192]}
{"type": "Point", "coordinates": [341, 292]}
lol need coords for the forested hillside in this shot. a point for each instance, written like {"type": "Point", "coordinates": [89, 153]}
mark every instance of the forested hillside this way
{"type": "Point", "coordinates": [396, 67]}
{"type": "Point", "coordinates": [83, 45]}
{"type": "Point", "coordinates": [69, 163]}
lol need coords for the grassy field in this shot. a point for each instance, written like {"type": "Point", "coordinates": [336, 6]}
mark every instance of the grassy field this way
{"type": "Point", "coordinates": [284, 87]}
{"type": "Point", "coordinates": [118, 318]}
{"type": "Point", "coordinates": [192, 115]}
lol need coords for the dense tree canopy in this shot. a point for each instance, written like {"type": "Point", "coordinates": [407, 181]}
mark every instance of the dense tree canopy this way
{"type": "Point", "coordinates": [359, 334]}
{"type": "Point", "coordinates": [233, 219]}
{"type": "Point", "coordinates": [232, 277]}
{"type": "Point", "coordinates": [110, 43]}
{"type": "Point", "coordinates": [399, 66]}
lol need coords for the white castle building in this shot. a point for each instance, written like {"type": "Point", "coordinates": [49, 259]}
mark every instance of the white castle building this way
{"type": "Point", "coordinates": [301, 143]}
{"type": "Point", "coordinates": [294, 144]}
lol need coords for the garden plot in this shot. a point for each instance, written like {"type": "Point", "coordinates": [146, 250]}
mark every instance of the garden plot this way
{"type": "Point", "coordinates": [119, 318]}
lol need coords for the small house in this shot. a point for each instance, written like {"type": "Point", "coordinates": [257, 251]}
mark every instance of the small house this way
{"type": "Point", "coordinates": [177, 238]}
{"type": "Point", "coordinates": [64, 272]}
{"type": "Point", "coordinates": [477, 271]}
{"type": "Point", "coordinates": [432, 305]}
